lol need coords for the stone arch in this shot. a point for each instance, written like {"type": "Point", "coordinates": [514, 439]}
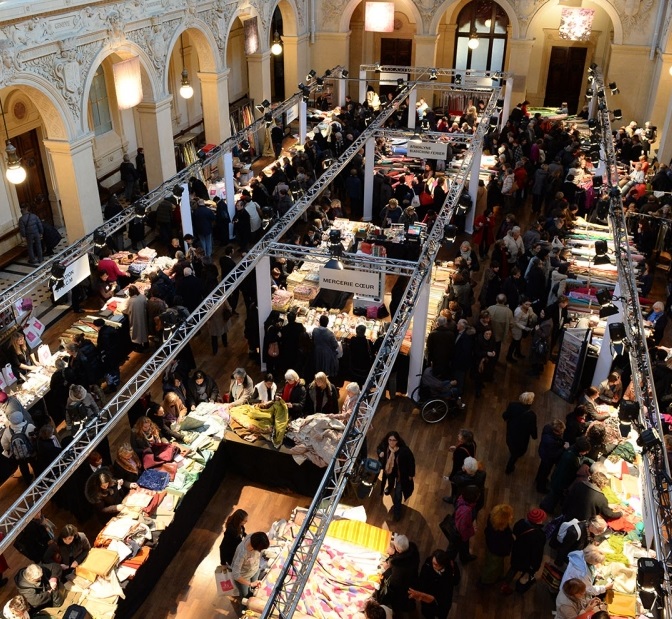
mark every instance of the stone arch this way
{"type": "Point", "coordinates": [203, 41]}
{"type": "Point", "coordinates": [410, 9]}
{"type": "Point", "coordinates": [290, 22]}
{"type": "Point", "coordinates": [58, 120]}
{"type": "Point", "coordinates": [451, 10]}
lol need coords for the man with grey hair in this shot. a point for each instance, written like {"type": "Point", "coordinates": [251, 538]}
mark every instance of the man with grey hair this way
{"type": "Point", "coordinates": [242, 388]}
{"type": "Point", "coordinates": [439, 349]}
{"type": "Point", "coordinates": [40, 586]}
{"type": "Point", "coordinates": [501, 319]}
{"type": "Point", "coordinates": [513, 243]}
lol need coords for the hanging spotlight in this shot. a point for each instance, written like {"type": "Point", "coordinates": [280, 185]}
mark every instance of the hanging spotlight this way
{"type": "Point", "coordinates": [263, 106]}
{"type": "Point", "coordinates": [320, 84]}
{"type": "Point", "coordinates": [311, 74]}
{"type": "Point", "coordinates": [458, 79]}
{"type": "Point", "coordinates": [496, 76]}
{"type": "Point", "coordinates": [450, 233]}
{"type": "Point", "coordinates": [276, 48]}
{"type": "Point", "coordinates": [601, 256]}
{"type": "Point", "coordinates": [268, 118]}
{"type": "Point", "coordinates": [345, 73]}
{"type": "Point", "coordinates": [57, 274]}
{"type": "Point", "coordinates": [494, 121]}
{"type": "Point", "coordinates": [589, 94]}
{"type": "Point", "coordinates": [432, 75]}
{"type": "Point", "coordinates": [618, 114]}
{"type": "Point", "coordinates": [593, 66]}
{"type": "Point", "coordinates": [424, 125]}
{"type": "Point", "coordinates": [15, 173]}
{"type": "Point", "coordinates": [245, 146]}
{"type": "Point", "coordinates": [473, 41]}
{"type": "Point", "coordinates": [500, 104]}
{"type": "Point", "coordinates": [99, 239]}
{"type": "Point", "coordinates": [336, 250]}
{"type": "Point", "coordinates": [616, 332]}
{"type": "Point", "coordinates": [400, 83]}
{"type": "Point", "coordinates": [603, 208]}
{"type": "Point", "coordinates": [600, 92]}
{"type": "Point", "coordinates": [649, 440]}
{"type": "Point", "coordinates": [614, 89]}
{"type": "Point", "coordinates": [602, 106]}
{"type": "Point", "coordinates": [377, 69]}
{"type": "Point", "coordinates": [186, 91]}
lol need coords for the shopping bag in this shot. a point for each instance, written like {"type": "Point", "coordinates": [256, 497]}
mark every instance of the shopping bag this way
{"type": "Point", "coordinates": [34, 323]}
{"type": "Point", "coordinates": [44, 355]}
{"type": "Point", "coordinates": [3, 384]}
{"type": "Point", "coordinates": [8, 375]}
{"type": "Point", "coordinates": [32, 337]}
{"type": "Point", "coordinates": [224, 581]}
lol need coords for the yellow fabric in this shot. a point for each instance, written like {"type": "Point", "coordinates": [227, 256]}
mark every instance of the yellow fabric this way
{"type": "Point", "coordinates": [623, 605]}
{"type": "Point", "coordinates": [263, 418]}
{"type": "Point", "coordinates": [360, 533]}
{"type": "Point", "coordinates": [99, 562]}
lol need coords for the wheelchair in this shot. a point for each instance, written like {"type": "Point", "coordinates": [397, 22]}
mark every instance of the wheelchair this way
{"type": "Point", "coordinates": [433, 408]}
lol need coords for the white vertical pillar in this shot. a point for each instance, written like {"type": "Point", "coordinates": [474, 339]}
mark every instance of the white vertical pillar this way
{"type": "Point", "coordinates": [185, 212]}
{"type": "Point", "coordinates": [606, 356]}
{"type": "Point", "coordinates": [368, 178]}
{"type": "Point", "coordinates": [412, 115]}
{"type": "Point", "coordinates": [156, 128]}
{"type": "Point", "coordinates": [362, 87]}
{"type": "Point", "coordinates": [303, 122]}
{"type": "Point", "coordinates": [263, 276]}
{"type": "Point", "coordinates": [473, 188]}
{"type": "Point", "coordinates": [417, 353]}
{"type": "Point", "coordinates": [215, 101]}
{"type": "Point", "coordinates": [341, 86]}
{"type": "Point", "coordinates": [508, 92]}
{"type": "Point", "coordinates": [230, 188]}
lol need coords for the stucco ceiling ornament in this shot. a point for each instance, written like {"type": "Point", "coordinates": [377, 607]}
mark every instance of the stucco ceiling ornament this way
{"type": "Point", "coordinates": [155, 38]}
{"type": "Point", "coordinates": [427, 10]}
{"type": "Point", "coordinates": [33, 31]}
{"type": "Point", "coordinates": [332, 12]}
{"type": "Point", "coordinates": [67, 71]}
{"type": "Point", "coordinates": [263, 8]}
{"type": "Point", "coordinates": [8, 63]}
{"type": "Point", "coordinates": [633, 13]}
{"type": "Point", "coordinates": [115, 25]}
{"type": "Point", "coordinates": [191, 13]}
{"type": "Point", "coordinates": [218, 20]}
{"type": "Point", "coordinates": [525, 10]}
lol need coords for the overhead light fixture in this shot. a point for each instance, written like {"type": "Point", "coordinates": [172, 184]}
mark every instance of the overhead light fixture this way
{"type": "Point", "coordinates": [600, 92]}
{"type": "Point", "coordinates": [608, 310]}
{"type": "Point", "coordinates": [178, 189]}
{"type": "Point", "coordinates": [186, 91]}
{"type": "Point", "coordinates": [432, 75]}
{"type": "Point", "coordinates": [424, 125]}
{"type": "Point", "coordinates": [401, 82]}
{"type": "Point", "coordinates": [618, 114]}
{"type": "Point", "coordinates": [311, 74]}
{"type": "Point", "coordinates": [379, 17]}
{"type": "Point", "coordinates": [263, 106]}
{"type": "Point", "coordinates": [457, 79]}
{"type": "Point", "coordinates": [377, 68]}
{"type": "Point", "coordinates": [268, 118]}
{"type": "Point", "coordinates": [593, 66]}
{"type": "Point", "coordinates": [276, 48]}
{"type": "Point", "coordinates": [602, 106]}
{"type": "Point", "coordinates": [473, 41]}
{"type": "Point", "coordinates": [601, 253]}
{"type": "Point", "coordinates": [450, 233]}
{"type": "Point", "coordinates": [15, 173]}
{"type": "Point", "coordinates": [603, 206]}
{"type": "Point", "coordinates": [614, 89]}
{"type": "Point", "coordinates": [604, 297]}
{"type": "Point", "coordinates": [57, 275]}
{"type": "Point", "coordinates": [628, 411]}
{"type": "Point", "coordinates": [345, 73]}
{"type": "Point", "coordinates": [650, 578]}
{"type": "Point", "coordinates": [99, 239]}
{"type": "Point", "coordinates": [616, 332]}
{"type": "Point", "coordinates": [494, 121]}
{"type": "Point", "coordinates": [649, 440]}
{"type": "Point", "coordinates": [500, 104]}
{"type": "Point", "coordinates": [589, 94]}
{"type": "Point", "coordinates": [245, 146]}
{"type": "Point", "coordinates": [127, 82]}
{"type": "Point", "coordinates": [140, 211]}
{"type": "Point", "coordinates": [496, 76]}
{"type": "Point", "coordinates": [335, 249]}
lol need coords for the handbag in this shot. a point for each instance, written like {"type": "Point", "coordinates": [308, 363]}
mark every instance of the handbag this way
{"type": "Point", "coordinates": [224, 581]}
{"type": "Point", "coordinates": [449, 528]}
{"type": "Point", "coordinates": [273, 350]}
{"type": "Point", "coordinates": [522, 585]}
{"type": "Point", "coordinates": [551, 576]}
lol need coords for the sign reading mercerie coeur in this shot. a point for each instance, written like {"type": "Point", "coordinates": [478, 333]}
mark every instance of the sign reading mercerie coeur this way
{"type": "Point", "coordinates": [426, 150]}
{"type": "Point", "coordinates": [356, 282]}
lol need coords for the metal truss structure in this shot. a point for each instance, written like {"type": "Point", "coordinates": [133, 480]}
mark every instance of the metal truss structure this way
{"type": "Point", "coordinates": [656, 478]}
{"type": "Point", "coordinates": [421, 71]}
{"type": "Point", "coordinates": [436, 136]}
{"type": "Point", "coordinates": [302, 556]}
{"type": "Point", "coordinates": [46, 485]}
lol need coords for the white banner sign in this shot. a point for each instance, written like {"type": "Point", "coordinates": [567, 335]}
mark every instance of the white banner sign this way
{"type": "Point", "coordinates": [427, 150]}
{"type": "Point", "coordinates": [292, 113]}
{"type": "Point", "coordinates": [356, 282]}
{"type": "Point", "coordinates": [75, 272]}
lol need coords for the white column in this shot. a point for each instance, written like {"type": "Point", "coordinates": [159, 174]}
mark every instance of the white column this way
{"type": "Point", "coordinates": [368, 178]}
{"type": "Point", "coordinates": [412, 114]}
{"type": "Point", "coordinates": [303, 121]}
{"type": "Point", "coordinates": [230, 189]}
{"type": "Point", "coordinates": [665, 133]}
{"type": "Point", "coordinates": [263, 276]}
{"type": "Point", "coordinates": [295, 57]}
{"type": "Point", "coordinates": [506, 110]}
{"type": "Point", "coordinates": [606, 356]}
{"type": "Point", "coordinates": [75, 175]}
{"type": "Point", "coordinates": [156, 129]}
{"type": "Point", "coordinates": [417, 352]}
{"type": "Point", "coordinates": [362, 87]}
{"type": "Point", "coordinates": [215, 97]}
{"type": "Point", "coordinates": [341, 91]}
{"type": "Point", "coordinates": [185, 212]}
{"type": "Point", "coordinates": [473, 188]}
{"type": "Point", "coordinates": [259, 76]}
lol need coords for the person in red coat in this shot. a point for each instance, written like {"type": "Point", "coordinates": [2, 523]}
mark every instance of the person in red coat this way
{"type": "Point", "coordinates": [484, 232]}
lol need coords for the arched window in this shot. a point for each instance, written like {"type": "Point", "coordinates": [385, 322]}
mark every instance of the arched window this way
{"type": "Point", "coordinates": [483, 21]}
{"type": "Point", "coordinates": [99, 104]}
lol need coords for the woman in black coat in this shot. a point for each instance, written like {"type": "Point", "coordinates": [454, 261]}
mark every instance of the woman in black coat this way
{"type": "Point", "coordinates": [201, 388]}
{"type": "Point", "coordinates": [485, 358]}
{"type": "Point", "coordinates": [398, 464]}
{"type": "Point", "coordinates": [234, 533]}
{"type": "Point", "coordinates": [521, 425]}
{"type": "Point", "coordinates": [293, 393]}
{"type": "Point", "coordinates": [535, 288]}
{"type": "Point", "coordinates": [48, 448]}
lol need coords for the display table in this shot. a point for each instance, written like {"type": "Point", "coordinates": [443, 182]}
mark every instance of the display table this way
{"type": "Point", "coordinates": [261, 463]}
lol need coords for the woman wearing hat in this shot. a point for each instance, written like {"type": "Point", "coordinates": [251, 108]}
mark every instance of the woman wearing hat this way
{"type": "Point", "coordinates": [527, 553]}
{"type": "Point", "coordinates": [81, 407]}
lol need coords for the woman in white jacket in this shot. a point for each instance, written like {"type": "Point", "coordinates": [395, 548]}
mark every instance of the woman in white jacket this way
{"type": "Point", "coordinates": [583, 564]}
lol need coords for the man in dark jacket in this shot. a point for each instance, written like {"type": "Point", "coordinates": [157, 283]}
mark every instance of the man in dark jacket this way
{"type": "Point", "coordinates": [521, 425]}
{"type": "Point", "coordinates": [440, 344]}
{"type": "Point", "coordinates": [565, 472]}
{"type": "Point", "coordinates": [30, 227]}
{"type": "Point", "coordinates": [226, 265]}
{"type": "Point", "coordinates": [164, 218]}
{"type": "Point", "coordinates": [40, 586]}
{"type": "Point", "coordinates": [129, 176]}
{"type": "Point", "coordinates": [110, 354]}
{"type": "Point", "coordinates": [586, 500]}
{"type": "Point", "coordinates": [400, 575]}
{"type": "Point", "coordinates": [293, 340]}
{"type": "Point", "coordinates": [204, 222]}
{"type": "Point", "coordinates": [551, 446]}
{"type": "Point", "coordinates": [190, 288]}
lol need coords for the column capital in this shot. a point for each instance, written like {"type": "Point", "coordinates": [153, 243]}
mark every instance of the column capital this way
{"type": "Point", "coordinates": [301, 38]}
{"type": "Point", "coordinates": [259, 56]}
{"type": "Point", "coordinates": [78, 145]}
{"type": "Point", "coordinates": [522, 42]}
{"type": "Point", "coordinates": [214, 76]}
{"type": "Point", "coordinates": [147, 107]}
{"type": "Point", "coordinates": [334, 36]}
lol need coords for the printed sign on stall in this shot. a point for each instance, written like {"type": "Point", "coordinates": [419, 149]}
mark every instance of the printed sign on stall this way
{"type": "Point", "coordinates": [357, 282]}
{"type": "Point", "coordinates": [427, 150]}
{"type": "Point", "coordinates": [75, 272]}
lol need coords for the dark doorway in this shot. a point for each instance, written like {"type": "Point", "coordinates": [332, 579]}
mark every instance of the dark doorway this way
{"type": "Point", "coordinates": [565, 77]}
{"type": "Point", "coordinates": [33, 191]}
{"type": "Point", "coordinates": [394, 52]}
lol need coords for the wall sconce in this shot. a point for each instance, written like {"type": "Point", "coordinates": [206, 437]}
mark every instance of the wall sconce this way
{"type": "Point", "coordinates": [379, 17]}
{"type": "Point", "coordinates": [15, 173]}
{"type": "Point", "coordinates": [128, 83]}
{"type": "Point", "coordinates": [473, 41]}
{"type": "Point", "coordinates": [276, 48]}
{"type": "Point", "coordinates": [186, 90]}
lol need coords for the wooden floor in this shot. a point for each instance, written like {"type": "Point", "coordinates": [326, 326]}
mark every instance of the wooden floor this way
{"type": "Point", "coordinates": [187, 589]}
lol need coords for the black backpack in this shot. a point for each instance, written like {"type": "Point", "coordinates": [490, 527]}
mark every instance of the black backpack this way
{"type": "Point", "coordinates": [33, 541]}
{"type": "Point", "coordinates": [21, 445]}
